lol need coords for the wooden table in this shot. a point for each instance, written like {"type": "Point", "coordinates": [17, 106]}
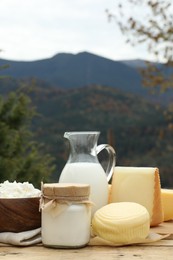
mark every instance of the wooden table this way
{"type": "Point", "coordinates": [160, 250]}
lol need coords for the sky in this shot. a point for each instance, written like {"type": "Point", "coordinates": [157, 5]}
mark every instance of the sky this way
{"type": "Point", "coordinates": [40, 29]}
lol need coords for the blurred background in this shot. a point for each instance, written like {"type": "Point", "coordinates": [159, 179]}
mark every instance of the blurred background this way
{"type": "Point", "coordinates": [84, 66]}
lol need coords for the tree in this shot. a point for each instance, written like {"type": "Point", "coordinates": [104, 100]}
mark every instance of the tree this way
{"type": "Point", "coordinates": [21, 159]}
{"type": "Point", "coordinates": [151, 23]}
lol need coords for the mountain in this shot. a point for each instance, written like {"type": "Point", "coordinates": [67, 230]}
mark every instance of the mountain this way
{"type": "Point", "coordinates": [89, 92]}
{"type": "Point", "coordinates": [135, 63]}
{"type": "Point", "coordinates": [66, 71]}
{"type": "Point", "coordinates": [77, 70]}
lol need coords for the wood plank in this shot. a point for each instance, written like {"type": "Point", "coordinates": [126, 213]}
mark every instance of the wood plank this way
{"type": "Point", "coordinates": [155, 251]}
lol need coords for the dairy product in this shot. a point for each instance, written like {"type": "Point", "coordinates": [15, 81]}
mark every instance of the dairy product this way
{"type": "Point", "coordinates": [109, 192]}
{"type": "Point", "coordinates": [121, 222]}
{"type": "Point", "coordinates": [66, 215]}
{"type": "Point", "coordinates": [167, 201]}
{"type": "Point", "coordinates": [140, 185]}
{"type": "Point", "coordinates": [18, 190]}
{"type": "Point", "coordinates": [89, 173]}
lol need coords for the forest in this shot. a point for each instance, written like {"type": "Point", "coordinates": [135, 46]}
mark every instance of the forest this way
{"type": "Point", "coordinates": [135, 127]}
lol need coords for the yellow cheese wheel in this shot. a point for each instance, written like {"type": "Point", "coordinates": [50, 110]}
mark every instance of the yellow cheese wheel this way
{"type": "Point", "coordinates": [167, 202]}
{"type": "Point", "coordinates": [140, 185]}
{"type": "Point", "coordinates": [122, 222]}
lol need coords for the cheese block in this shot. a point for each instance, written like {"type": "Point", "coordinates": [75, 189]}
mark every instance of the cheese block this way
{"type": "Point", "coordinates": [109, 192]}
{"type": "Point", "coordinates": [167, 201]}
{"type": "Point", "coordinates": [140, 185]}
{"type": "Point", "coordinates": [122, 222]}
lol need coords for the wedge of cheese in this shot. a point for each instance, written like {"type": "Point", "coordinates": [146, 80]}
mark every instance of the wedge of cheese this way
{"type": "Point", "coordinates": [140, 185]}
{"type": "Point", "coordinates": [121, 223]}
{"type": "Point", "coordinates": [109, 192]}
{"type": "Point", "coordinates": [167, 201]}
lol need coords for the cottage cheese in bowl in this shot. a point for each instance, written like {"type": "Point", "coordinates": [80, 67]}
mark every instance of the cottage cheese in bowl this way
{"type": "Point", "coordinates": [18, 190]}
{"type": "Point", "coordinates": [19, 207]}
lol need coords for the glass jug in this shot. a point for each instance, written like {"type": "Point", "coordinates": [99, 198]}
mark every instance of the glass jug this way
{"type": "Point", "coordinates": [83, 165]}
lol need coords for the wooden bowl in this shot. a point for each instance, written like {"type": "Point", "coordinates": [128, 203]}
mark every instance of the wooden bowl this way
{"type": "Point", "coordinates": [19, 214]}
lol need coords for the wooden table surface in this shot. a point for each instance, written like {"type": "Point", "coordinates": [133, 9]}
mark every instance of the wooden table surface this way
{"type": "Point", "coordinates": [160, 250]}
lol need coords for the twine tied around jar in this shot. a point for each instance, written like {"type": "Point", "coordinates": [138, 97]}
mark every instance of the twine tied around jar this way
{"type": "Point", "coordinates": [56, 204]}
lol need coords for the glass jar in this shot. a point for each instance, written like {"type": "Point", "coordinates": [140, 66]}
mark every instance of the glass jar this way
{"type": "Point", "coordinates": [65, 215]}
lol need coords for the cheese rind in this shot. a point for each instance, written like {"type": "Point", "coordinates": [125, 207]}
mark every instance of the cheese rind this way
{"type": "Point", "coordinates": [122, 222]}
{"type": "Point", "coordinates": [109, 192]}
{"type": "Point", "coordinates": [167, 202]}
{"type": "Point", "coordinates": [140, 185]}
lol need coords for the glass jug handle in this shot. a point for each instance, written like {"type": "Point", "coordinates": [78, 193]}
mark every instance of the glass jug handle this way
{"type": "Point", "coordinates": [111, 161]}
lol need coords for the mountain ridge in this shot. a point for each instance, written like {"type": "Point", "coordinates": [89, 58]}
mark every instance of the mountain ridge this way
{"type": "Point", "coordinates": [75, 70]}
{"type": "Point", "coordinates": [67, 70]}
